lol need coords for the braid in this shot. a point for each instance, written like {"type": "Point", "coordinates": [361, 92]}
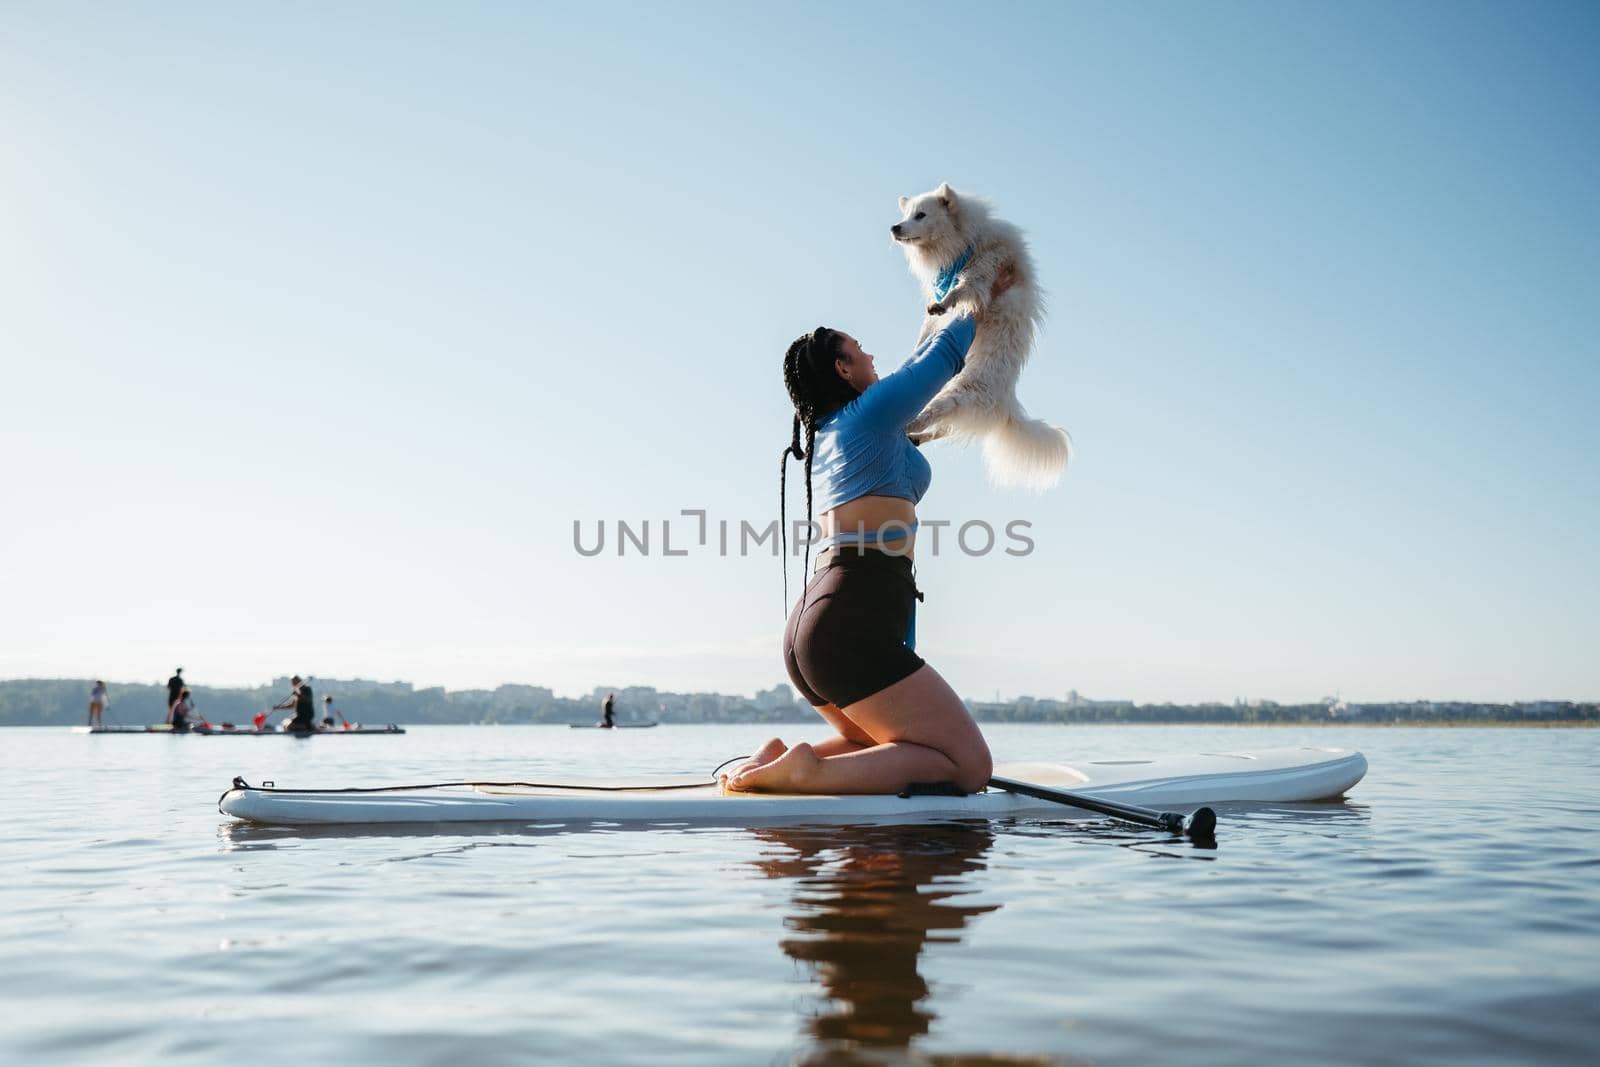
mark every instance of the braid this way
{"type": "Point", "coordinates": [792, 449]}
{"type": "Point", "coordinates": [816, 391]}
{"type": "Point", "coordinates": [799, 395]}
{"type": "Point", "coordinates": [811, 438]}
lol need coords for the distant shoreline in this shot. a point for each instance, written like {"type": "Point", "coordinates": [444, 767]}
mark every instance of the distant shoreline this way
{"type": "Point", "coordinates": [63, 701]}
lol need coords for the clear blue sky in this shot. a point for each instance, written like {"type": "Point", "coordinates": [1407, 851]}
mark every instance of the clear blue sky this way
{"type": "Point", "coordinates": [320, 324]}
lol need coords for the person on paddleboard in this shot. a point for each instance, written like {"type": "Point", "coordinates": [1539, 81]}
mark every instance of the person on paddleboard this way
{"type": "Point", "coordinates": [97, 705]}
{"type": "Point", "coordinates": [178, 714]}
{"type": "Point", "coordinates": [174, 687]}
{"type": "Point", "coordinates": [303, 701]}
{"type": "Point", "coordinates": [849, 644]}
{"type": "Point", "coordinates": [608, 711]}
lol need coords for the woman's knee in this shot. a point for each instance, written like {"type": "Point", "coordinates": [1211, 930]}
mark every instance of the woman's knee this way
{"type": "Point", "coordinates": [974, 766]}
{"type": "Point", "coordinates": [922, 709]}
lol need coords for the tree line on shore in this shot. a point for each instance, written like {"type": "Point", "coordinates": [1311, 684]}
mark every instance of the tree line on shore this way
{"type": "Point", "coordinates": [63, 702]}
{"type": "Point", "coordinates": [1026, 709]}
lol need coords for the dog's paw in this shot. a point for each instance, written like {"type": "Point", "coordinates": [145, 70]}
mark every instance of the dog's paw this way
{"type": "Point", "coordinates": [937, 309]}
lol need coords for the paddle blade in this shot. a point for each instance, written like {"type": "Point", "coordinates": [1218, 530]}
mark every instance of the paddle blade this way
{"type": "Point", "coordinates": [1202, 825]}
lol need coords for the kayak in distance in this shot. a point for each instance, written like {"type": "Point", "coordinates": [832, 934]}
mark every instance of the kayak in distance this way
{"type": "Point", "coordinates": [1278, 775]}
{"type": "Point", "coordinates": [613, 726]}
{"type": "Point", "coordinates": [228, 731]}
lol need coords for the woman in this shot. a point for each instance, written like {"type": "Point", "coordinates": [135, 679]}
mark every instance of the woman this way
{"type": "Point", "coordinates": [848, 643]}
{"type": "Point", "coordinates": [97, 705]}
{"type": "Point", "coordinates": [178, 714]}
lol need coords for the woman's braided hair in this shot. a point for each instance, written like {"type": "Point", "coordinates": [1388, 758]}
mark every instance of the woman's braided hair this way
{"type": "Point", "coordinates": [817, 391]}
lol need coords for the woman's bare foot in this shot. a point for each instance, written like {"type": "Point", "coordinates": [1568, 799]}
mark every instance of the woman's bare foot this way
{"type": "Point", "coordinates": [792, 772]}
{"type": "Point", "coordinates": [764, 755]}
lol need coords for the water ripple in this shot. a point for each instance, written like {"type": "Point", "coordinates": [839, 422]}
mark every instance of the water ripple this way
{"type": "Point", "coordinates": [1436, 916]}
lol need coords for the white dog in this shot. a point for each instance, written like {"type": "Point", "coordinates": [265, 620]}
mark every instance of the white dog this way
{"type": "Point", "coordinates": [960, 251]}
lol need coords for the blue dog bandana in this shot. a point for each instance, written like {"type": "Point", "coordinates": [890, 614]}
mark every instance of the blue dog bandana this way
{"type": "Point", "coordinates": [946, 280]}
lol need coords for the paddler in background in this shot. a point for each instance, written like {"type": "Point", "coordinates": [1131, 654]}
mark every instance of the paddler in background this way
{"type": "Point", "coordinates": [174, 687]}
{"type": "Point", "coordinates": [305, 710]}
{"type": "Point", "coordinates": [97, 705]}
{"type": "Point", "coordinates": [304, 704]}
{"type": "Point", "coordinates": [608, 712]}
{"type": "Point", "coordinates": [178, 714]}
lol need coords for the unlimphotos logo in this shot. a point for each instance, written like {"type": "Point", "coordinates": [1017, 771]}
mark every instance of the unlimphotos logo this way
{"type": "Point", "coordinates": [975, 537]}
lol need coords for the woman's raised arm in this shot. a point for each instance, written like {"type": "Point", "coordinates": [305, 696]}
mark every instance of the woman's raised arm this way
{"type": "Point", "coordinates": [892, 402]}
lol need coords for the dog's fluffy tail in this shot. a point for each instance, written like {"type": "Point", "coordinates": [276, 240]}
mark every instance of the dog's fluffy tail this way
{"type": "Point", "coordinates": [1025, 452]}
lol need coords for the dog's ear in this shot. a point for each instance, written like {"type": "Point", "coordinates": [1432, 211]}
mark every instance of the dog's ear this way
{"type": "Point", "coordinates": [947, 195]}
{"type": "Point", "coordinates": [904, 200]}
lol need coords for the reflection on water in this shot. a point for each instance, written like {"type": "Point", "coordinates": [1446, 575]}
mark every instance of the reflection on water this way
{"type": "Point", "coordinates": [1235, 823]}
{"type": "Point", "coordinates": [244, 837]}
{"type": "Point", "coordinates": [867, 899]}
{"type": "Point", "coordinates": [1334, 812]}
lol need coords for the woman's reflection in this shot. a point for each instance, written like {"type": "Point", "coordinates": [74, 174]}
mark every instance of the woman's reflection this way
{"type": "Point", "coordinates": [866, 900]}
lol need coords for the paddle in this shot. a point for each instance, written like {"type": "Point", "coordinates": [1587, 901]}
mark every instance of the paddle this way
{"type": "Point", "coordinates": [1200, 826]}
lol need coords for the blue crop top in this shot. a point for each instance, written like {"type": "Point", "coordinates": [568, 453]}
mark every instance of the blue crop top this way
{"type": "Point", "coordinates": [862, 449]}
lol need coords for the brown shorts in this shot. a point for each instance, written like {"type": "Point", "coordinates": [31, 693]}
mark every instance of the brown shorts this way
{"type": "Point", "coordinates": [846, 638]}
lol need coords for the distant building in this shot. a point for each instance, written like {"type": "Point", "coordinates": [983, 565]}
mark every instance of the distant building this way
{"type": "Point", "coordinates": [349, 685]}
{"type": "Point", "coordinates": [1077, 699]}
{"type": "Point", "coordinates": [779, 698]}
{"type": "Point", "coordinates": [525, 700]}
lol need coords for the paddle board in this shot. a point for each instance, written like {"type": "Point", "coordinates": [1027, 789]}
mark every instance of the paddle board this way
{"type": "Point", "coordinates": [1302, 773]}
{"type": "Point", "coordinates": [159, 728]}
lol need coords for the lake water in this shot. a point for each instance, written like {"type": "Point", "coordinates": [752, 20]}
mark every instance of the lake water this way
{"type": "Point", "coordinates": [1447, 912]}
